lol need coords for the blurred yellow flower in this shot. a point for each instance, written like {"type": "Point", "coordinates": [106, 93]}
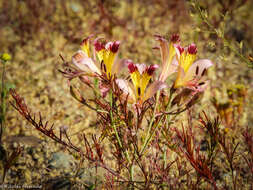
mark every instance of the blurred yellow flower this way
{"type": "Point", "coordinates": [6, 57]}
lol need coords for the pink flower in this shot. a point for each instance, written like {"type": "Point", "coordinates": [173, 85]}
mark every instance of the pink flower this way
{"type": "Point", "coordinates": [191, 72]}
{"type": "Point", "coordinates": [139, 91]}
{"type": "Point", "coordinates": [106, 53]}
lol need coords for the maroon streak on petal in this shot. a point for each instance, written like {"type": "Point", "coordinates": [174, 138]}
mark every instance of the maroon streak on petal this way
{"type": "Point", "coordinates": [114, 46]}
{"type": "Point", "coordinates": [180, 48]}
{"type": "Point", "coordinates": [151, 69]}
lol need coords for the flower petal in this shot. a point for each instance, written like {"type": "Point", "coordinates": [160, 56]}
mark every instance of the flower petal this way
{"type": "Point", "coordinates": [179, 50]}
{"type": "Point", "coordinates": [202, 86]}
{"type": "Point", "coordinates": [83, 62]}
{"type": "Point", "coordinates": [164, 49]}
{"type": "Point", "coordinates": [104, 89]}
{"type": "Point", "coordinates": [153, 88]}
{"type": "Point", "coordinates": [141, 68]}
{"type": "Point", "coordinates": [118, 65]}
{"type": "Point", "coordinates": [198, 69]}
{"type": "Point", "coordinates": [113, 46]}
{"type": "Point", "coordinates": [173, 67]}
{"type": "Point", "coordinates": [151, 69]}
{"type": "Point", "coordinates": [124, 85]}
{"type": "Point", "coordinates": [180, 81]}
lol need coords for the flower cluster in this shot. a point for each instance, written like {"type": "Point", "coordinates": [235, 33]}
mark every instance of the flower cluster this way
{"type": "Point", "coordinates": [128, 116]}
{"type": "Point", "coordinates": [104, 64]}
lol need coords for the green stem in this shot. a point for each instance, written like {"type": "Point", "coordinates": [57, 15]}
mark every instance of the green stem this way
{"type": "Point", "coordinates": [112, 120]}
{"type": "Point", "coordinates": [150, 124]}
{"type": "Point", "coordinates": [149, 137]}
{"type": "Point", "coordinates": [117, 135]}
{"type": "Point", "coordinates": [167, 118]}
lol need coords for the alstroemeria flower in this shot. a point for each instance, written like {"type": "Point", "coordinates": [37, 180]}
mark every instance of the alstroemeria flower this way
{"type": "Point", "coordinates": [82, 59]}
{"type": "Point", "coordinates": [139, 91]}
{"type": "Point", "coordinates": [191, 72]}
{"type": "Point", "coordinates": [169, 61]}
{"type": "Point", "coordinates": [106, 55]}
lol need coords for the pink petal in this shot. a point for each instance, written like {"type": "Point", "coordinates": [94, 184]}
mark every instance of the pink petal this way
{"type": "Point", "coordinates": [118, 65]}
{"type": "Point", "coordinates": [173, 66]}
{"type": "Point", "coordinates": [197, 86]}
{"type": "Point", "coordinates": [151, 69]}
{"type": "Point", "coordinates": [153, 88]}
{"type": "Point", "coordinates": [202, 86]}
{"type": "Point", "coordinates": [198, 69]}
{"type": "Point", "coordinates": [164, 49]}
{"type": "Point", "coordinates": [172, 69]}
{"type": "Point", "coordinates": [179, 50]}
{"type": "Point", "coordinates": [124, 85]}
{"type": "Point", "coordinates": [104, 89]}
{"type": "Point", "coordinates": [112, 46]}
{"type": "Point", "coordinates": [83, 62]}
{"type": "Point", "coordinates": [141, 67]}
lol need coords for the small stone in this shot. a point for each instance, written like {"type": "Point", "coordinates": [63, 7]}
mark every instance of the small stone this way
{"type": "Point", "coordinates": [61, 160]}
